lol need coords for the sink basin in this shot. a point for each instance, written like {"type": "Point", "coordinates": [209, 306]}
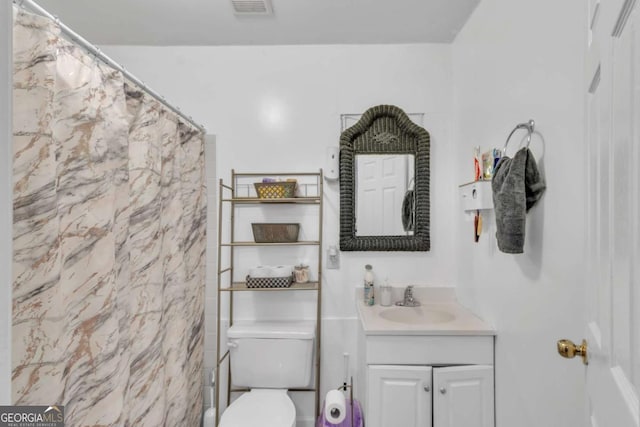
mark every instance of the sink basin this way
{"type": "Point", "coordinates": [416, 315]}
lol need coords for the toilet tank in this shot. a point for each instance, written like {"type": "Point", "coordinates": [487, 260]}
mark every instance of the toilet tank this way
{"type": "Point", "coordinates": [271, 354]}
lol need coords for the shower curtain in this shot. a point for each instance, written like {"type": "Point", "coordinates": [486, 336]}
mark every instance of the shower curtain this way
{"type": "Point", "coordinates": [109, 241]}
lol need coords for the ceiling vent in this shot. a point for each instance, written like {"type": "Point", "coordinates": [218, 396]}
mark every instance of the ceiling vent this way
{"type": "Point", "coordinates": [252, 7]}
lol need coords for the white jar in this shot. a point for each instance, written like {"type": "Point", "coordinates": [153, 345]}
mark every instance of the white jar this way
{"type": "Point", "coordinates": [301, 273]}
{"type": "Point", "coordinates": [385, 295]}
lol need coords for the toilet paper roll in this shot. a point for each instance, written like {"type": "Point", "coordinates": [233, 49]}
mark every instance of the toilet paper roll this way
{"type": "Point", "coordinates": [260, 271]}
{"type": "Point", "coordinates": [335, 408]}
{"type": "Point", "coordinates": [282, 271]}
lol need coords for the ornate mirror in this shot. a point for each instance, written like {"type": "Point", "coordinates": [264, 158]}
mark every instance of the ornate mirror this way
{"type": "Point", "coordinates": [384, 183]}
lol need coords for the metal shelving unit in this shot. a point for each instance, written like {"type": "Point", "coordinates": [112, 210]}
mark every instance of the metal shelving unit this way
{"type": "Point", "coordinates": [229, 194]}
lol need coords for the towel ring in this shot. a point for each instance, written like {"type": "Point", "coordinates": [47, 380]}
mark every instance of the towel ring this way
{"type": "Point", "coordinates": [529, 126]}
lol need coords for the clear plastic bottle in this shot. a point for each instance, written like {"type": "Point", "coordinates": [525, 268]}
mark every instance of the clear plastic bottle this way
{"type": "Point", "coordinates": [385, 294]}
{"type": "Point", "coordinates": [369, 297]}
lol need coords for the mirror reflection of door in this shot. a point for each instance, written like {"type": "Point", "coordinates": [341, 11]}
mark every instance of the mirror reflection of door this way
{"type": "Point", "coordinates": [381, 186]}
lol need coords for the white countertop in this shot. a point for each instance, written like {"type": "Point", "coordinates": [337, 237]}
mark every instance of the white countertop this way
{"type": "Point", "coordinates": [464, 322]}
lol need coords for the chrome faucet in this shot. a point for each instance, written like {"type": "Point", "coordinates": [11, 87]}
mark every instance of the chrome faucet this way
{"type": "Point", "coordinates": [409, 300]}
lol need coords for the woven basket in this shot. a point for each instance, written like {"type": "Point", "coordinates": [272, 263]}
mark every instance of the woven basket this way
{"type": "Point", "coordinates": [275, 233]}
{"type": "Point", "coordinates": [275, 190]}
{"type": "Point", "coordinates": [269, 282]}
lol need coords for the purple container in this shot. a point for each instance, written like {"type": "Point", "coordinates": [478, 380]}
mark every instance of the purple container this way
{"type": "Point", "coordinates": [357, 420]}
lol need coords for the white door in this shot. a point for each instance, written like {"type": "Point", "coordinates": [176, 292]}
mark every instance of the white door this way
{"type": "Point", "coordinates": [399, 396]}
{"type": "Point", "coordinates": [463, 396]}
{"type": "Point", "coordinates": [612, 237]}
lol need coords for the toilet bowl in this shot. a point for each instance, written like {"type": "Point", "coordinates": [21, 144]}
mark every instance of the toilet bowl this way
{"type": "Point", "coordinates": [268, 358]}
{"type": "Point", "coordinates": [260, 407]}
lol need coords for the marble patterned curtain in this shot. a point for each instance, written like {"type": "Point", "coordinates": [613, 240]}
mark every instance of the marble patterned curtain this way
{"type": "Point", "coordinates": [109, 241]}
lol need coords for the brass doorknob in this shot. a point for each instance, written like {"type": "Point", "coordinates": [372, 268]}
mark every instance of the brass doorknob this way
{"type": "Point", "coordinates": [566, 348]}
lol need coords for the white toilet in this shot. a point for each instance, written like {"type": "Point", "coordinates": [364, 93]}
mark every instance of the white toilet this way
{"type": "Point", "coordinates": [269, 358]}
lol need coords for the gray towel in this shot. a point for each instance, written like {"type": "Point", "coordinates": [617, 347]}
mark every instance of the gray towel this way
{"type": "Point", "coordinates": [409, 211]}
{"type": "Point", "coordinates": [517, 186]}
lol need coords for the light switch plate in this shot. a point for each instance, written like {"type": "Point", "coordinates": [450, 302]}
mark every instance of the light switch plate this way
{"type": "Point", "coordinates": [333, 260]}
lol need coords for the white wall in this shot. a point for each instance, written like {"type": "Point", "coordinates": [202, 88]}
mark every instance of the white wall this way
{"type": "Point", "coordinates": [278, 109]}
{"type": "Point", "coordinates": [6, 179]}
{"type": "Point", "coordinates": [515, 61]}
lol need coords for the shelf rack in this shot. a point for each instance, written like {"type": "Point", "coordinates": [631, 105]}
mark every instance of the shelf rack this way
{"type": "Point", "coordinates": [229, 194]}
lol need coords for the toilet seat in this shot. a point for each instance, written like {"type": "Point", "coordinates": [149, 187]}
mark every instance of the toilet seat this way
{"type": "Point", "coordinates": [260, 407]}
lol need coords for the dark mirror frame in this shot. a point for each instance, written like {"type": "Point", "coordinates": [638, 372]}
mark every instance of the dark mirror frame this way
{"type": "Point", "coordinates": [384, 129]}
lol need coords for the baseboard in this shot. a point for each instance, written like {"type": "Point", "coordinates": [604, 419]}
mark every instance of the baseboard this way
{"type": "Point", "coordinates": [305, 422]}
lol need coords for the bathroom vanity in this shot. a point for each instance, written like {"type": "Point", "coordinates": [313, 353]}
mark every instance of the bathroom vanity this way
{"type": "Point", "coordinates": [426, 366]}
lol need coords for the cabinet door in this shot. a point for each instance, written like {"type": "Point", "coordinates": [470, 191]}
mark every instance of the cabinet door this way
{"type": "Point", "coordinates": [399, 396]}
{"type": "Point", "coordinates": [463, 396]}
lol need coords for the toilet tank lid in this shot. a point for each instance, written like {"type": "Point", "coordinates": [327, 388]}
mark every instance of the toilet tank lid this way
{"type": "Point", "coordinates": [302, 330]}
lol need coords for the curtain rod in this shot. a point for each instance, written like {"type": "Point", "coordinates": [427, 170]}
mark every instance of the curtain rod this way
{"type": "Point", "coordinates": [94, 50]}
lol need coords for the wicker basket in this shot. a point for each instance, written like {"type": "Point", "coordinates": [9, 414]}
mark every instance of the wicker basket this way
{"type": "Point", "coordinates": [275, 190]}
{"type": "Point", "coordinates": [275, 233]}
{"type": "Point", "coordinates": [269, 282]}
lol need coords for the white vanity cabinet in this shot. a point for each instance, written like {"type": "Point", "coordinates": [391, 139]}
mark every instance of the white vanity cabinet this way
{"type": "Point", "coordinates": [427, 380]}
{"type": "Point", "coordinates": [426, 366]}
{"type": "Point", "coordinates": [426, 396]}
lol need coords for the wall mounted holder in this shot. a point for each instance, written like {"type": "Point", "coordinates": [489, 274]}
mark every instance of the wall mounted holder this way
{"type": "Point", "coordinates": [476, 195]}
{"type": "Point", "coordinates": [332, 164]}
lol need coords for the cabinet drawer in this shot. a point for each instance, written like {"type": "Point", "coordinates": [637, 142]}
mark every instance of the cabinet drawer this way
{"type": "Point", "coordinates": [429, 350]}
